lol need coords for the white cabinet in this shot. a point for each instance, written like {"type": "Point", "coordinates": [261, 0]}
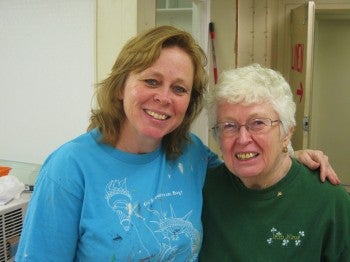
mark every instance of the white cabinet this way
{"type": "Point", "coordinates": [174, 12]}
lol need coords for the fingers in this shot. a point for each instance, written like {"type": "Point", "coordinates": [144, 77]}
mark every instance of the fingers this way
{"type": "Point", "coordinates": [317, 159]}
{"type": "Point", "coordinates": [326, 170]}
{"type": "Point", "coordinates": [329, 173]}
{"type": "Point", "coordinates": [310, 158]}
{"type": "Point", "coordinates": [324, 164]}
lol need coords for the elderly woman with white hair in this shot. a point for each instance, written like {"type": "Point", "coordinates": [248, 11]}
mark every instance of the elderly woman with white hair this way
{"type": "Point", "coordinates": [261, 204]}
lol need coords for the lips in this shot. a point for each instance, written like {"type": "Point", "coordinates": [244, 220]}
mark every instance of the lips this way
{"type": "Point", "coordinates": [157, 115]}
{"type": "Point", "coordinates": [246, 156]}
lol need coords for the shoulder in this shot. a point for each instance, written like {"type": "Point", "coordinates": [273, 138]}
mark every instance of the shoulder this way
{"type": "Point", "coordinates": [217, 170]}
{"type": "Point", "coordinates": [217, 182]}
{"type": "Point", "coordinates": [77, 147]}
{"type": "Point", "coordinates": [217, 173]}
{"type": "Point", "coordinates": [64, 166]}
{"type": "Point", "coordinates": [194, 139]}
{"type": "Point", "coordinates": [196, 147]}
{"type": "Point", "coordinates": [196, 144]}
{"type": "Point", "coordinates": [310, 180]}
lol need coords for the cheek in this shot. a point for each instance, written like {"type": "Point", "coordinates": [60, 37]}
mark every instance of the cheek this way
{"type": "Point", "coordinates": [181, 105]}
{"type": "Point", "coordinates": [133, 96]}
{"type": "Point", "coordinates": [272, 148]}
{"type": "Point", "coordinates": [127, 101]}
{"type": "Point", "coordinates": [226, 147]}
{"type": "Point", "coordinates": [228, 156]}
{"type": "Point", "coordinates": [134, 93]}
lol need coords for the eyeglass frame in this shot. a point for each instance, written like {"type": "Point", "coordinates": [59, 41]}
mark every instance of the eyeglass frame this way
{"type": "Point", "coordinates": [247, 125]}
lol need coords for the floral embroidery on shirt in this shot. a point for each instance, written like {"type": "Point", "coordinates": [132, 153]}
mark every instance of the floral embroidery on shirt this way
{"type": "Point", "coordinates": [285, 239]}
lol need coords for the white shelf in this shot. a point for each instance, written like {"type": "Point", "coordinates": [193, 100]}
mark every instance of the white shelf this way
{"type": "Point", "coordinates": [174, 10]}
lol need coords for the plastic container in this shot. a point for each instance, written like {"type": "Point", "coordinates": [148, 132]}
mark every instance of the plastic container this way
{"type": "Point", "coordinates": [4, 170]}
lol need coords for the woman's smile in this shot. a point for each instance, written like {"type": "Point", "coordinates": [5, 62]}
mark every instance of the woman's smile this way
{"type": "Point", "coordinates": [156, 100]}
{"type": "Point", "coordinates": [246, 156]}
{"type": "Point", "coordinates": [156, 115]}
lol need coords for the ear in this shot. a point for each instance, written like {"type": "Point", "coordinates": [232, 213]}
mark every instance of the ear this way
{"type": "Point", "coordinates": [288, 136]}
{"type": "Point", "coordinates": [120, 94]}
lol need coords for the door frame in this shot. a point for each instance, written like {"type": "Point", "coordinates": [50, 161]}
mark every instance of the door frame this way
{"type": "Point", "coordinates": [301, 68]}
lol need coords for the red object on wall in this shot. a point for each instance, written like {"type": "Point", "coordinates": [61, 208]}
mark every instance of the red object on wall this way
{"type": "Point", "coordinates": [300, 91]}
{"type": "Point", "coordinates": [298, 57]}
{"type": "Point", "coordinates": [212, 37]}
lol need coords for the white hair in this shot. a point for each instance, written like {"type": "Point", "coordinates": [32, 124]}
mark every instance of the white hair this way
{"type": "Point", "coordinates": [254, 84]}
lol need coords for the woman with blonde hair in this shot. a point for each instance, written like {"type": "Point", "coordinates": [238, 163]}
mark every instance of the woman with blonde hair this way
{"type": "Point", "coordinates": [130, 189]}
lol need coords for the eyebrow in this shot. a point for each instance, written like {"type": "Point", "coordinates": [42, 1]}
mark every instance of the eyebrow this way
{"type": "Point", "coordinates": [254, 116]}
{"type": "Point", "coordinates": [155, 73]}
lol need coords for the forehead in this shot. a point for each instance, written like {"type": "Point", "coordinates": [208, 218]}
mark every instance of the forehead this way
{"type": "Point", "coordinates": [174, 53]}
{"type": "Point", "coordinates": [173, 61]}
{"type": "Point", "coordinates": [241, 111]}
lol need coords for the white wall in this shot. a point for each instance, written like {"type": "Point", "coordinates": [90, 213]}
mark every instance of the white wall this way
{"type": "Point", "coordinates": [116, 23]}
{"type": "Point", "coordinates": [223, 14]}
{"type": "Point", "coordinates": [47, 75]}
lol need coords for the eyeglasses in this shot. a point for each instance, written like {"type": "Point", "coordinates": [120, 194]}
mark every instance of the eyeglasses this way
{"type": "Point", "coordinates": [255, 125]}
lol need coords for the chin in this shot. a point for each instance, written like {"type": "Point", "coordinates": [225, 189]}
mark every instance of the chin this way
{"type": "Point", "coordinates": [155, 134]}
{"type": "Point", "coordinates": [246, 173]}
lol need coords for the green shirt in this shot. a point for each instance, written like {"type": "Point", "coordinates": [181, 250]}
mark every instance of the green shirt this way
{"type": "Point", "coordinates": [297, 219]}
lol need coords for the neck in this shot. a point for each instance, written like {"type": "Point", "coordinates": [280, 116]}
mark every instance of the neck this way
{"type": "Point", "coordinates": [136, 144]}
{"type": "Point", "coordinates": [263, 181]}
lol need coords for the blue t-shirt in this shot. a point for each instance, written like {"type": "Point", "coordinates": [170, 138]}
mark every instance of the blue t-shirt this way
{"type": "Point", "coordinates": [93, 202]}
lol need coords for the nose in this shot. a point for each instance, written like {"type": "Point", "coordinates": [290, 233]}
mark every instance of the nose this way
{"type": "Point", "coordinates": [243, 135]}
{"type": "Point", "coordinates": [162, 96]}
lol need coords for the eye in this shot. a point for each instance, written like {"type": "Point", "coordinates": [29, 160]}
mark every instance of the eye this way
{"type": "Point", "coordinates": [179, 90]}
{"type": "Point", "coordinates": [256, 124]}
{"type": "Point", "coordinates": [151, 82]}
{"type": "Point", "coordinates": [230, 126]}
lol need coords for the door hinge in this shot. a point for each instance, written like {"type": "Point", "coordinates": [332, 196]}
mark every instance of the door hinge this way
{"type": "Point", "coordinates": [306, 123]}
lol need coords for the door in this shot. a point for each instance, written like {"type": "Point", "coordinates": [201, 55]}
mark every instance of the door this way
{"type": "Point", "coordinates": [320, 82]}
{"type": "Point", "coordinates": [330, 107]}
{"type": "Point", "coordinates": [302, 41]}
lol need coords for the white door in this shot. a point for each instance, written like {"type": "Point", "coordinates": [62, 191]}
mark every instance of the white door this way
{"type": "Point", "coordinates": [302, 32]}
{"type": "Point", "coordinates": [330, 107]}
{"type": "Point", "coordinates": [320, 78]}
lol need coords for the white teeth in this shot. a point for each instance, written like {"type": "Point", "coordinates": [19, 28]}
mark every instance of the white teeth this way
{"type": "Point", "coordinates": [245, 156]}
{"type": "Point", "coordinates": [156, 115]}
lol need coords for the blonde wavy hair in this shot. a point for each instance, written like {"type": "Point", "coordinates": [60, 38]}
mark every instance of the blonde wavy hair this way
{"type": "Point", "coordinates": [138, 54]}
